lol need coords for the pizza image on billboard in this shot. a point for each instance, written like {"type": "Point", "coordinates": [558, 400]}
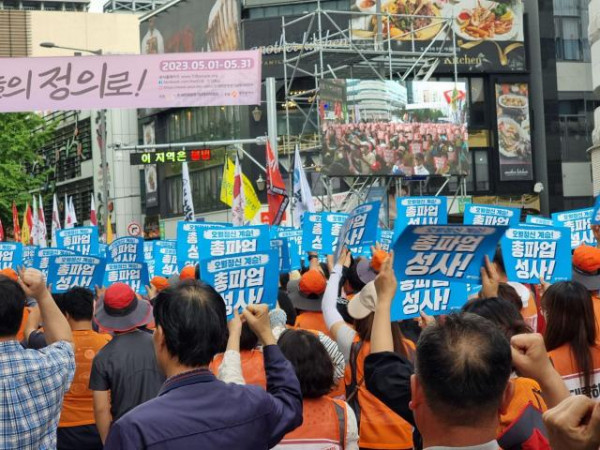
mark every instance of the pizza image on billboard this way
{"type": "Point", "coordinates": [373, 127]}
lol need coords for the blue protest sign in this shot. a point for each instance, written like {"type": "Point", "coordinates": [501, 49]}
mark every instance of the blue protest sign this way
{"type": "Point", "coordinates": [501, 216]}
{"type": "Point", "coordinates": [294, 238]}
{"type": "Point", "coordinates": [149, 257]}
{"type": "Point", "coordinates": [11, 255]}
{"type": "Point", "coordinates": [538, 220]}
{"type": "Point", "coordinates": [579, 222]}
{"type": "Point", "coordinates": [243, 280]}
{"type": "Point", "coordinates": [82, 240]}
{"type": "Point", "coordinates": [126, 249]}
{"type": "Point", "coordinates": [531, 254]}
{"type": "Point", "coordinates": [42, 256]}
{"type": "Point", "coordinates": [332, 226]}
{"type": "Point", "coordinates": [444, 252]}
{"type": "Point", "coordinates": [187, 241]}
{"type": "Point", "coordinates": [420, 211]}
{"type": "Point", "coordinates": [283, 250]}
{"type": "Point", "coordinates": [312, 233]}
{"type": "Point", "coordinates": [360, 227]}
{"type": "Point", "coordinates": [29, 252]}
{"type": "Point", "coordinates": [133, 274]}
{"type": "Point", "coordinates": [65, 272]}
{"type": "Point", "coordinates": [165, 258]}
{"type": "Point", "coordinates": [385, 239]}
{"type": "Point", "coordinates": [433, 297]}
{"type": "Point", "coordinates": [596, 212]}
{"type": "Point", "coordinates": [215, 242]}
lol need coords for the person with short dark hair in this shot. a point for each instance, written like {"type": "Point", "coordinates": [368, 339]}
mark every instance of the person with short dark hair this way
{"type": "Point", "coordinates": [326, 421]}
{"type": "Point", "coordinates": [124, 372]}
{"type": "Point", "coordinates": [33, 382]}
{"type": "Point", "coordinates": [193, 408]}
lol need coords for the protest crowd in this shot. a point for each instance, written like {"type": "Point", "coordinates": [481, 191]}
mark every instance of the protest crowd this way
{"type": "Point", "coordinates": [347, 346]}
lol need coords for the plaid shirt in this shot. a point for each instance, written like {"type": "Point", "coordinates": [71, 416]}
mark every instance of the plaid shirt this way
{"type": "Point", "coordinates": [32, 386]}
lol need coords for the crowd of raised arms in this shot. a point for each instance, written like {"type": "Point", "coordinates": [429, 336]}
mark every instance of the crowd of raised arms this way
{"type": "Point", "coordinates": [517, 368]}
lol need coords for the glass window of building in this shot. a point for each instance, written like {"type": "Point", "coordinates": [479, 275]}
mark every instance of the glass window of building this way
{"type": "Point", "coordinates": [571, 24]}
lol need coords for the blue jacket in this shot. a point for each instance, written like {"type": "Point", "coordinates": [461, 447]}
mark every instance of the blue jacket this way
{"type": "Point", "coordinates": [195, 410]}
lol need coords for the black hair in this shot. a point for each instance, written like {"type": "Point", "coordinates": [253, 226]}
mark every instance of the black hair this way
{"type": "Point", "coordinates": [77, 302]}
{"type": "Point", "coordinates": [12, 305]}
{"type": "Point", "coordinates": [311, 362]}
{"type": "Point", "coordinates": [193, 318]}
{"type": "Point", "coordinates": [284, 279]}
{"type": "Point", "coordinates": [284, 302]}
{"type": "Point", "coordinates": [501, 313]}
{"type": "Point", "coordinates": [463, 364]}
{"type": "Point", "coordinates": [507, 292]}
{"type": "Point", "coordinates": [570, 320]}
{"type": "Point", "coordinates": [248, 340]}
{"type": "Point", "coordinates": [352, 276]}
{"type": "Point", "coordinates": [499, 260]}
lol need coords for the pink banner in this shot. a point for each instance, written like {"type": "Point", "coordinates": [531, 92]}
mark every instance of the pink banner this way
{"type": "Point", "coordinates": [130, 81]}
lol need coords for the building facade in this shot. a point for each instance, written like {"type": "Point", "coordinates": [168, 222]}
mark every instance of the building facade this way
{"type": "Point", "coordinates": [45, 5]}
{"type": "Point", "coordinates": [74, 152]}
{"type": "Point", "coordinates": [132, 6]}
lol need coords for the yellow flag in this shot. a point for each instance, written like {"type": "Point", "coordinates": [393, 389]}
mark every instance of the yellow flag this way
{"type": "Point", "coordinates": [25, 231]}
{"type": "Point", "coordinates": [109, 232]}
{"type": "Point", "coordinates": [251, 202]}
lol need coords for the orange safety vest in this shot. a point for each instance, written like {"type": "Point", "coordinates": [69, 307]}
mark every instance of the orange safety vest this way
{"type": "Point", "coordinates": [379, 426]}
{"type": "Point", "coordinates": [526, 392]}
{"type": "Point", "coordinates": [324, 425]}
{"type": "Point", "coordinates": [564, 363]}
{"type": "Point", "coordinates": [312, 320]}
{"type": "Point", "coordinates": [21, 332]}
{"type": "Point", "coordinates": [253, 367]}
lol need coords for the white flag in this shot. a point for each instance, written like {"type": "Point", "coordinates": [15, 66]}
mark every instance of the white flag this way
{"type": "Point", "coordinates": [55, 220]}
{"type": "Point", "coordinates": [188, 202]}
{"type": "Point", "coordinates": [237, 207]}
{"type": "Point", "coordinates": [72, 212]}
{"type": "Point", "coordinates": [43, 232]}
{"type": "Point", "coordinates": [302, 199]}
{"type": "Point", "coordinates": [35, 227]}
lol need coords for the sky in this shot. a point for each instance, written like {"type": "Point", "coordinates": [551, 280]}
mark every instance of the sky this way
{"type": "Point", "coordinates": [96, 5]}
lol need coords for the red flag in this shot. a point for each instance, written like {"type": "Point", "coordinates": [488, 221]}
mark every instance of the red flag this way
{"type": "Point", "coordinates": [93, 219]}
{"type": "Point", "coordinates": [16, 227]}
{"type": "Point", "coordinates": [1, 231]}
{"type": "Point", "coordinates": [29, 218]}
{"type": "Point", "coordinates": [238, 205]}
{"type": "Point", "coordinates": [277, 195]}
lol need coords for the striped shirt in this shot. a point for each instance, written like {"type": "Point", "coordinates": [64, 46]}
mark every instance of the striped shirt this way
{"type": "Point", "coordinates": [32, 386]}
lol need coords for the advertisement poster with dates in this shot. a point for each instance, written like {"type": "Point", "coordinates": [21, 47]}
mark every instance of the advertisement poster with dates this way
{"type": "Point", "coordinates": [489, 34]}
{"type": "Point", "coordinates": [514, 135]}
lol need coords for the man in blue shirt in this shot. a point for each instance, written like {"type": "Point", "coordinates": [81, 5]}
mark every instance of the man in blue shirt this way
{"type": "Point", "coordinates": [193, 408]}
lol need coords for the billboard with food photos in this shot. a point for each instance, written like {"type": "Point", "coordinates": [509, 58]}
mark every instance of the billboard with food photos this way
{"type": "Point", "coordinates": [375, 127]}
{"type": "Point", "coordinates": [489, 34]}
{"type": "Point", "coordinates": [514, 135]}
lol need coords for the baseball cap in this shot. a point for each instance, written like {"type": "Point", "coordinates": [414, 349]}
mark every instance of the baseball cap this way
{"type": "Point", "coordinates": [367, 270]}
{"type": "Point", "coordinates": [160, 283]}
{"type": "Point", "coordinates": [586, 267]}
{"type": "Point", "coordinates": [120, 309]}
{"type": "Point", "coordinates": [9, 273]}
{"type": "Point", "coordinates": [307, 292]}
{"type": "Point", "coordinates": [363, 303]}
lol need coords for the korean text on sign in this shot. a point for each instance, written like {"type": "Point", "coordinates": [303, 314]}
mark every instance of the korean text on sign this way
{"type": "Point", "coordinates": [133, 274]}
{"type": "Point", "coordinates": [538, 220]}
{"type": "Point", "coordinates": [534, 254]}
{"type": "Point", "coordinates": [165, 258]}
{"type": "Point", "coordinates": [433, 297]}
{"type": "Point", "coordinates": [360, 227]}
{"type": "Point", "coordinates": [282, 247]}
{"type": "Point", "coordinates": [11, 255]}
{"type": "Point", "coordinates": [29, 252]}
{"type": "Point", "coordinates": [579, 222]}
{"type": "Point", "coordinates": [312, 233]}
{"type": "Point", "coordinates": [130, 81]}
{"type": "Point", "coordinates": [82, 240]}
{"type": "Point", "coordinates": [491, 215]}
{"type": "Point", "coordinates": [217, 242]}
{"type": "Point", "coordinates": [126, 250]}
{"type": "Point", "coordinates": [332, 227]}
{"type": "Point", "coordinates": [444, 252]}
{"type": "Point", "coordinates": [294, 238]}
{"type": "Point", "coordinates": [420, 211]}
{"type": "Point", "coordinates": [187, 241]}
{"type": "Point", "coordinates": [65, 272]}
{"type": "Point", "coordinates": [43, 255]}
{"type": "Point", "coordinates": [243, 280]}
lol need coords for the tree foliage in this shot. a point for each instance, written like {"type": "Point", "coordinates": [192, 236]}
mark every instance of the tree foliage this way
{"type": "Point", "coordinates": [22, 166]}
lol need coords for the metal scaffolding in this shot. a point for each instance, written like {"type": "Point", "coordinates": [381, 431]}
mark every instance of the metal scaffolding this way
{"type": "Point", "coordinates": [329, 50]}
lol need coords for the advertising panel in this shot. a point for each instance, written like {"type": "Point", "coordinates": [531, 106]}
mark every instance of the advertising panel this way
{"type": "Point", "coordinates": [489, 34]}
{"type": "Point", "coordinates": [514, 136]}
{"type": "Point", "coordinates": [378, 127]}
{"type": "Point", "coordinates": [150, 174]}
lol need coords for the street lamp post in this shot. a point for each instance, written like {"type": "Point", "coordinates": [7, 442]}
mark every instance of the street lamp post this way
{"type": "Point", "coordinates": [103, 158]}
